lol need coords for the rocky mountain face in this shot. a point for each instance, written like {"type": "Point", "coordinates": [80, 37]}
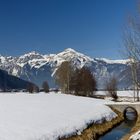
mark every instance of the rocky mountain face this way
{"type": "Point", "coordinates": [37, 68]}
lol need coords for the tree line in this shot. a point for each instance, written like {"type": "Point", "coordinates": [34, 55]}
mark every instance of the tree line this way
{"type": "Point", "coordinates": [33, 88]}
{"type": "Point", "coordinates": [72, 80]}
{"type": "Point", "coordinates": [81, 81]}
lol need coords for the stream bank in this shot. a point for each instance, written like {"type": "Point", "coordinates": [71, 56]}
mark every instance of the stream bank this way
{"type": "Point", "coordinates": [133, 130]}
{"type": "Point", "coordinates": [95, 130]}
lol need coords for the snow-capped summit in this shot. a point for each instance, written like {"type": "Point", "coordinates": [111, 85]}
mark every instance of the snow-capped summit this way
{"type": "Point", "coordinates": [75, 57]}
{"type": "Point", "coordinates": [29, 56]}
{"type": "Point", "coordinates": [32, 55]}
{"type": "Point", "coordinates": [37, 67]}
{"type": "Point", "coordinates": [69, 50]}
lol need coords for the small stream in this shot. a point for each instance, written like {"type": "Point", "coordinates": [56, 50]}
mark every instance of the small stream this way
{"type": "Point", "coordinates": [124, 128]}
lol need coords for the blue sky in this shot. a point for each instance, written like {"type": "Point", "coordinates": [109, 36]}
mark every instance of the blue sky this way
{"type": "Point", "coordinates": [93, 27]}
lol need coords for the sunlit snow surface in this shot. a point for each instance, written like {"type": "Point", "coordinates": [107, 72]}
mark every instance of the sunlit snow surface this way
{"type": "Point", "coordinates": [43, 116]}
{"type": "Point", "coordinates": [136, 136]}
{"type": "Point", "coordinates": [125, 93]}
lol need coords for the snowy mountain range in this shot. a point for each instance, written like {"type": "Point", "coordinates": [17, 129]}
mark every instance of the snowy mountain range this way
{"type": "Point", "coordinates": [37, 68]}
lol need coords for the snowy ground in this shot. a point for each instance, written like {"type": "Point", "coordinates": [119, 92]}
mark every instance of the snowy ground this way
{"type": "Point", "coordinates": [136, 136]}
{"type": "Point", "coordinates": [127, 93]}
{"type": "Point", "coordinates": [125, 96]}
{"type": "Point", "coordinates": [48, 116]}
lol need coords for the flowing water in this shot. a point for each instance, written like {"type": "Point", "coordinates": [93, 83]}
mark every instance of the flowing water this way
{"type": "Point", "coordinates": [124, 128]}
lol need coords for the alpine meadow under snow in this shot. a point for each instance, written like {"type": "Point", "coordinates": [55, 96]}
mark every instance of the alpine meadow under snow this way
{"type": "Point", "coordinates": [48, 116]}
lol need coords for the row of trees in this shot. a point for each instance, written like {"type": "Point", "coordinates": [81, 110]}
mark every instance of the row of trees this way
{"type": "Point", "coordinates": [32, 88]}
{"type": "Point", "coordinates": [111, 87]}
{"type": "Point", "coordinates": [75, 81]}
{"type": "Point", "coordinates": [81, 81]}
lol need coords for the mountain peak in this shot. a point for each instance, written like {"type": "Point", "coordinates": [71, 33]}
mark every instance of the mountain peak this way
{"type": "Point", "coordinates": [69, 50]}
{"type": "Point", "coordinates": [33, 53]}
{"type": "Point", "coordinates": [29, 56]}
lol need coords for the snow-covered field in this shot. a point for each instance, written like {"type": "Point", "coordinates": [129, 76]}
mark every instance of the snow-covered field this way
{"type": "Point", "coordinates": [48, 116]}
{"type": "Point", "coordinates": [125, 96]}
{"type": "Point", "coordinates": [127, 93]}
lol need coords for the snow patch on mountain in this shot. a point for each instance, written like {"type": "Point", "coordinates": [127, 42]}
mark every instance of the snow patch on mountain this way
{"type": "Point", "coordinates": [108, 61]}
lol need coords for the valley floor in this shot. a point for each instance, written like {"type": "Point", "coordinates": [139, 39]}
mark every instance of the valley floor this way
{"type": "Point", "coordinates": [48, 116]}
{"type": "Point", "coordinates": [127, 95]}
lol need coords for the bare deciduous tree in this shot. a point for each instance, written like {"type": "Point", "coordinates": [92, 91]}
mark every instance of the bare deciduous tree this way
{"type": "Point", "coordinates": [83, 82]}
{"type": "Point", "coordinates": [132, 51]}
{"type": "Point", "coordinates": [76, 81]}
{"type": "Point", "coordinates": [63, 75]}
{"type": "Point", "coordinates": [45, 86]}
{"type": "Point", "coordinates": [31, 88]}
{"type": "Point", "coordinates": [111, 87]}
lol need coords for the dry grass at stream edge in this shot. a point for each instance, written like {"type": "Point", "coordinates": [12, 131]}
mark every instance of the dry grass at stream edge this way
{"type": "Point", "coordinates": [96, 130]}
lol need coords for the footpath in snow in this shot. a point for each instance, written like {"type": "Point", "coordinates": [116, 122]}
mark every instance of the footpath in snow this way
{"type": "Point", "coordinates": [48, 116]}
